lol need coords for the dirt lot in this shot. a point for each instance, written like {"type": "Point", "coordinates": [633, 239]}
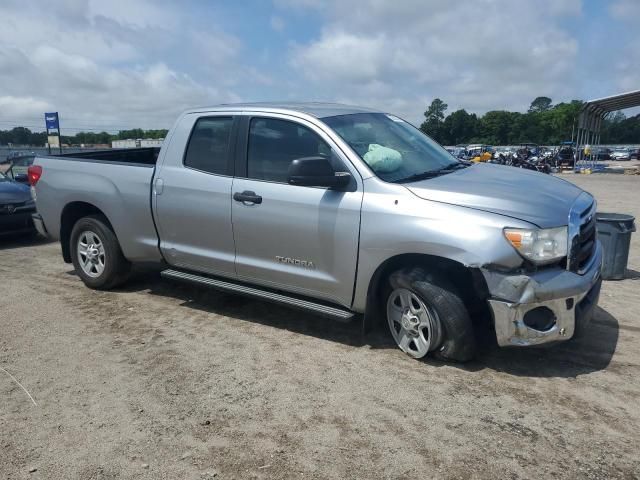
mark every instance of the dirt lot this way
{"type": "Point", "coordinates": [166, 381]}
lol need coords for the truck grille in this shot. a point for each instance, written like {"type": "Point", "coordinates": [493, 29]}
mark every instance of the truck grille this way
{"type": "Point", "coordinates": [582, 237]}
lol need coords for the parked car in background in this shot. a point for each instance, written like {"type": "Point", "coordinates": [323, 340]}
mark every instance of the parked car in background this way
{"type": "Point", "coordinates": [597, 153]}
{"type": "Point", "coordinates": [16, 154]}
{"type": "Point", "coordinates": [566, 156]}
{"type": "Point", "coordinates": [634, 154]}
{"type": "Point", "coordinates": [546, 152]}
{"type": "Point", "coordinates": [621, 154]}
{"type": "Point", "coordinates": [604, 153]}
{"type": "Point", "coordinates": [19, 167]}
{"type": "Point", "coordinates": [480, 153]}
{"type": "Point", "coordinates": [501, 151]}
{"type": "Point", "coordinates": [16, 207]}
{"type": "Point", "coordinates": [459, 152]}
{"type": "Point", "coordinates": [532, 149]}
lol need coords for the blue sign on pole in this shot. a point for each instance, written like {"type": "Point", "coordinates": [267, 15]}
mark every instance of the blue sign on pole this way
{"type": "Point", "coordinates": [51, 121]}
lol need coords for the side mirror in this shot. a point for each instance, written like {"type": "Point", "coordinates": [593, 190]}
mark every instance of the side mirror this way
{"type": "Point", "coordinates": [22, 178]}
{"type": "Point", "coordinates": [316, 172]}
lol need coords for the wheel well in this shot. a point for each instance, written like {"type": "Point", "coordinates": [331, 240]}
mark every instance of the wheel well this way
{"type": "Point", "coordinates": [71, 213]}
{"type": "Point", "coordinates": [470, 283]}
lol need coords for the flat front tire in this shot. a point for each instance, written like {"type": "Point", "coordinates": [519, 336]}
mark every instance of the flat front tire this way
{"type": "Point", "coordinates": [426, 315]}
{"type": "Point", "coordinates": [96, 254]}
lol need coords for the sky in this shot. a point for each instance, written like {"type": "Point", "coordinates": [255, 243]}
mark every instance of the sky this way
{"type": "Point", "coordinates": [117, 64]}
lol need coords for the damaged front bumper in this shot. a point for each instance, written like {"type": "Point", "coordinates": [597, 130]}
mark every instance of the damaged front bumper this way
{"type": "Point", "coordinates": [546, 306]}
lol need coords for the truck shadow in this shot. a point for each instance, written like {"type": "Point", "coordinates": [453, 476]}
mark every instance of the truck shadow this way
{"type": "Point", "coordinates": [589, 353]}
{"type": "Point", "coordinates": [247, 309]}
{"type": "Point", "coordinates": [632, 274]}
{"type": "Point", "coordinates": [12, 241]}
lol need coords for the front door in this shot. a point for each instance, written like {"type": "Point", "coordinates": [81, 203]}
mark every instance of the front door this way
{"type": "Point", "coordinates": [300, 239]}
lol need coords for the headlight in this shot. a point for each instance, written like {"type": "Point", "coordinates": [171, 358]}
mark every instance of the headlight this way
{"type": "Point", "coordinates": [541, 246]}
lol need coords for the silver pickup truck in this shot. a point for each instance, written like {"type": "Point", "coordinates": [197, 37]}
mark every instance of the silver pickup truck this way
{"type": "Point", "coordinates": [338, 210]}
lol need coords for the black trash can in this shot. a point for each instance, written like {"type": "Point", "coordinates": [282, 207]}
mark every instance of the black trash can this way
{"type": "Point", "coordinates": [614, 231]}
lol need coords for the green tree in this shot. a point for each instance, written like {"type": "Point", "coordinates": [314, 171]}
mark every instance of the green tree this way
{"type": "Point", "coordinates": [617, 128]}
{"type": "Point", "coordinates": [130, 134]}
{"type": "Point", "coordinates": [540, 104]}
{"type": "Point", "coordinates": [459, 127]}
{"type": "Point", "coordinates": [495, 127]}
{"type": "Point", "coordinates": [20, 135]}
{"type": "Point", "coordinates": [560, 121]}
{"type": "Point", "coordinates": [162, 133]}
{"type": "Point", "coordinates": [434, 120]}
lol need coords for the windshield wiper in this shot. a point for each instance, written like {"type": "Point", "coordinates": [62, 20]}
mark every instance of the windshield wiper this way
{"type": "Point", "coordinates": [434, 173]}
{"type": "Point", "coordinates": [421, 176]}
{"type": "Point", "coordinates": [454, 166]}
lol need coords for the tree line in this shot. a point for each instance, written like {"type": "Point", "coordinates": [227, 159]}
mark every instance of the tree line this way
{"type": "Point", "coordinates": [24, 136]}
{"type": "Point", "coordinates": [544, 124]}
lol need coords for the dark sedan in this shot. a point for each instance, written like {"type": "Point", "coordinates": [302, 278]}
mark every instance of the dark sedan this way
{"type": "Point", "coordinates": [598, 153]}
{"type": "Point", "coordinates": [16, 207]}
{"type": "Point", "coordinates": [565, 157]}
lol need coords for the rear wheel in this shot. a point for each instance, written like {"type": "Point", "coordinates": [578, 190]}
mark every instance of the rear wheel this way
{"type": "Point", "coordinates": [425, 314]}
{"type": "Point", "coordinates": [96, 254]}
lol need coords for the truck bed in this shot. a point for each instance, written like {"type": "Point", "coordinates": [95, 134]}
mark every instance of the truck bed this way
{"type": "Point", "coordinates": [116, 182]}
{"type": "Point", "coordinates": [140, 156]}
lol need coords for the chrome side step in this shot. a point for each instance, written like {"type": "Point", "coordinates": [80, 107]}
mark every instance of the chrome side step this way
{"type": "Point", "coordinates": [336, 313]}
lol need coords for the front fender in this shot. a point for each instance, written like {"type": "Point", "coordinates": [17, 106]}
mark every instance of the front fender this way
{"type": "Point", "coordinates": [400, 224]}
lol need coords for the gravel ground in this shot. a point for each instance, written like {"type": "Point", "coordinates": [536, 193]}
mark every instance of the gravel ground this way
{"type": "Point", "coordinates": [158, 380]}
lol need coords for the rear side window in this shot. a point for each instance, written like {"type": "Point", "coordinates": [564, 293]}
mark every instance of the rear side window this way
{"type": "Point", "coordinates": [208, 148]}
{"type": "Point", "coordinates": [274, 144]}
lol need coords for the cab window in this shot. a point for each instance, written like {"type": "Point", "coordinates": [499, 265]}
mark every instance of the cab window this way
{"type": "Point", "coordinates": [275, 143]}
{"type": "Point", "coordinates": [208, 148]}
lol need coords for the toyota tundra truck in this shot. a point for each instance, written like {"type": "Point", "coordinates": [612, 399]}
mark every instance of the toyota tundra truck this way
{"type": "Point", "coordinates": [341, 211]}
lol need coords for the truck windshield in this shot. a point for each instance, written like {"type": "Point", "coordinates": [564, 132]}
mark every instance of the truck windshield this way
{"type": "Point", "coordinates": [395, 150]}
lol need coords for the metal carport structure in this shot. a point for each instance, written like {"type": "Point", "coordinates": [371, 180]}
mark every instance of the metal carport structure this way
{"type": "Point", "coordinates": [590, 121]}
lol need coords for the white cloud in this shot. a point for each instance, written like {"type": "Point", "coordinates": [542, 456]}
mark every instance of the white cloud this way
{"type": "Point", "coordinates": [103, 64]}
{"type": "Point", "coordinates": [89, 94]}
{"type": "Point", "coordinates": [345, 56]}
{"type": "Point", "coordinates": [277, 23]}
{"type": "Point", "coordinates": [627, 10]}
{"type": "Point", "coordinates": [626, 66]}
{"type": "Point", "coordinates": [18, 106]}
{"type": "Point", "coordinates": [475, 55]}
{"type": "Point", "coordinates": [138, 13]}
{"type": "Point", "coordinates": [300, 4]}
{"type": "Point", "coordinates": [130, 63]}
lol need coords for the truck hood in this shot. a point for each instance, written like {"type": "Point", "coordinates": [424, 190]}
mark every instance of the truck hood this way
{"type": "Point", "coordinates": [12, 192]}
{"type": "Point", "coordinates": [531, 196]}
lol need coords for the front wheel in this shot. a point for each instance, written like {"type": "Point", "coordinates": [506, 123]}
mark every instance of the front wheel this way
{"type": "Point", "coordinates": [96, 254]}
{"type": "Point", "coordinates": [414, 326]}
{"type": "Point", "coordinates": [425, 314]}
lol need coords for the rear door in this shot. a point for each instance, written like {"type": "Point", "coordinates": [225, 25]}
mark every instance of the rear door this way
{"type": "Point", "coordinates": [192, 194]}
{"type": "Point", "coordinates": [300, 239]}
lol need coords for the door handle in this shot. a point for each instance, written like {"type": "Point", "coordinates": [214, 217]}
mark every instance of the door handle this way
{"type": "Point", "coordinates": [159, 186]}
{"type": "Point", "coordinates": [247, 197]}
